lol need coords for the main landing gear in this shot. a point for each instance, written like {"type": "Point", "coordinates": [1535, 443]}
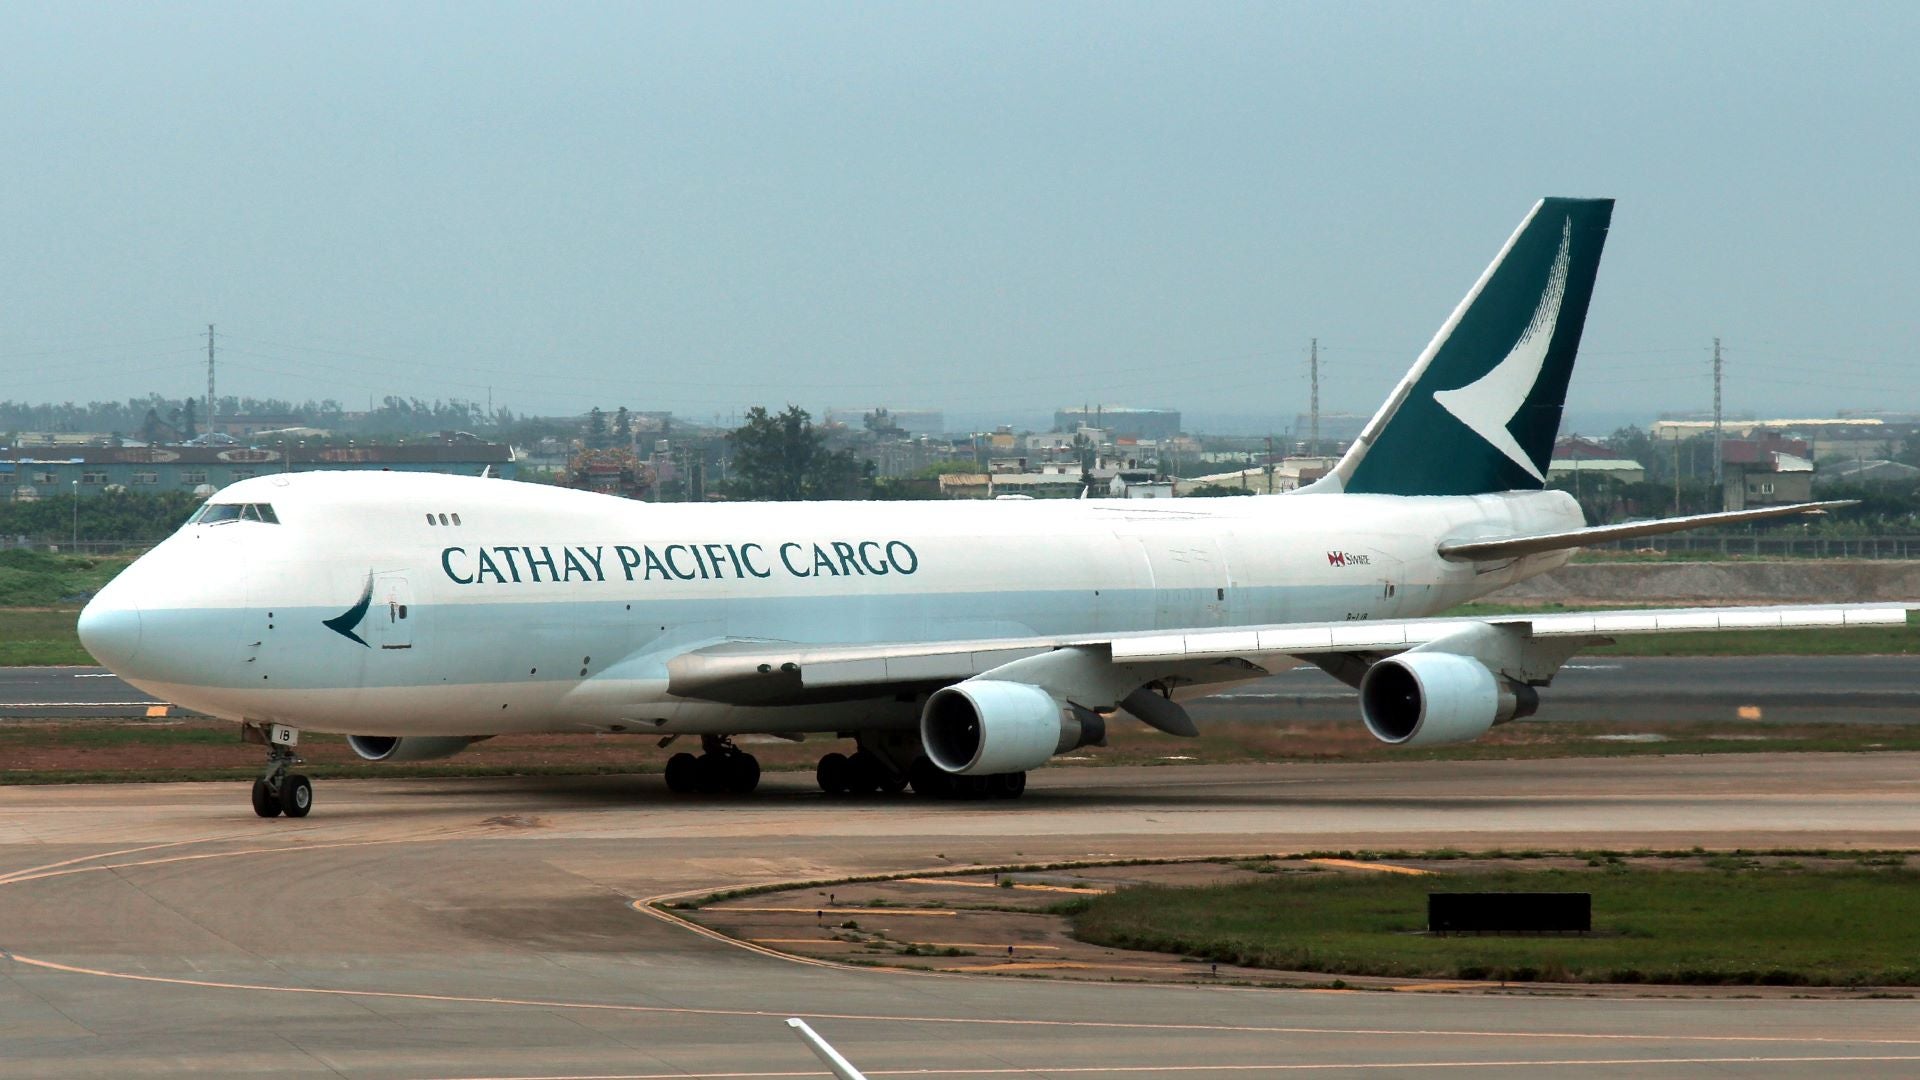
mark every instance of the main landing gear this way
{"type": "Point", "coordinates": [933, 782]}
{"type": "Point", "coordinates": [861, 773]}
{"type": "Point", "coordinates": [720, 768]}
{"type": "Point", "coordinates": [280, 791]}
{"type": "Point", "coordinates": [887, 763]}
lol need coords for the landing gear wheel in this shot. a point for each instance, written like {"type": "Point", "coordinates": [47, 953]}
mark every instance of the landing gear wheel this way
{"type": "Point", "coordinates": [1008, 785]}
{"type": "Point", "coordinates": [930, 781]}
{"type": "Point", "coordinates": [834, 774]}
{"type": "Point", "coordinates": [865, 772]}
{"type": "Point", "coordinates": [743, 773]}
{"type": "Point", "coordinates": [711, 774]}
{"type": "Point", "coordinates": [265, 802]}
{"type": "Point", "coordinates": [683, 774]}
{"type": "Point", "coordinates": [296, 796]}
{"type": "Point", "coordinates": [894, 783]}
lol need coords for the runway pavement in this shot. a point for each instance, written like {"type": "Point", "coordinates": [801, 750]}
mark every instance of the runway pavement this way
{"type": "Point", "coordinates": [1840, 689]}
{"type": "Point", "coordinates": [466, 928]}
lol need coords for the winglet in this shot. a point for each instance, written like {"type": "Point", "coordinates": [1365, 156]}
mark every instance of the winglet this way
{"type": "Point", "coordinates": [841, 1068]}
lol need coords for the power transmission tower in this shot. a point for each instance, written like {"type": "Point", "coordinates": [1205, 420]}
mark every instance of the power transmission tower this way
{"type": "Point", "coordinates": [1719, 486]}
{"type": "Point", "coordinates": [1313, 369]}
{"type": "Point", "coordinates": [209, 377]}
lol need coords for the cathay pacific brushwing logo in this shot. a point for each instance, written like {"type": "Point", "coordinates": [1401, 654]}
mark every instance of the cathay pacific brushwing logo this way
{"type": "Point", "coordinates": [345, 622]}
{"type": "Point", "coordinates": [1489, 403]}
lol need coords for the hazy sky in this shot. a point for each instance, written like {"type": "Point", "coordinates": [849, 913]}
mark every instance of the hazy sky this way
{"type": "Point", "coordinates": [987, 208]}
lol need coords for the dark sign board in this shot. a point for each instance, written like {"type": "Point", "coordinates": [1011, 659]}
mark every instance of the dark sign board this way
{"type": "Point", "coordinates": [1510, 913]}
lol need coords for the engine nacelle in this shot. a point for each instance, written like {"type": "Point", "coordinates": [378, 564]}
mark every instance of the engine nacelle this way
{"type": "Point", "coordinates": [408, 748]}
{"type": "Point", "coordinates": [1433, 698]}
{"type": "Point", "coordinates": [985, 726]}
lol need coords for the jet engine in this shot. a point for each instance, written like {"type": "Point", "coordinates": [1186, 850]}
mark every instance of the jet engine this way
{"type": "Point", "coordinates": [984, 726]}
{"type": "Point", "coordinates": [1432, 698]}
{"type": "Point", "coordinates": [408, 748]}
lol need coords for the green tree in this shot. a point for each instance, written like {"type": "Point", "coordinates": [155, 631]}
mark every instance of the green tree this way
{"type": "Point", "coordinates": [1205, 491]}
{"type": "Point", "coordinates": [183, 419]}
{"type": "Point", "coordinates": [623, 425]}
{"type": "Point", "coordinates": [779, 457]}
{"type": "Point", "coordinates": [596, 429]}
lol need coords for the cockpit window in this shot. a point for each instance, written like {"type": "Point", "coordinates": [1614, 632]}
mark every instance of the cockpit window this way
{"type": "Point", "coordinates": [215, 513]}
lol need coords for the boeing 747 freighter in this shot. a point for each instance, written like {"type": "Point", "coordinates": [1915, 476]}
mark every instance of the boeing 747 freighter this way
{"type": "Point", "coordinates": [957, 644]}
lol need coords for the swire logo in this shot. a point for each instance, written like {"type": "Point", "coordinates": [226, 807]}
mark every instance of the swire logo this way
{"type": "Point", "coordinates": [1347, 558]}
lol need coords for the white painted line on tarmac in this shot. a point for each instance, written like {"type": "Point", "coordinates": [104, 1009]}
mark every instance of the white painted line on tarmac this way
{"type": "Point", "coordinates": [1287, 1066]}
{"type": "Point", "coordinates": [78, 704]}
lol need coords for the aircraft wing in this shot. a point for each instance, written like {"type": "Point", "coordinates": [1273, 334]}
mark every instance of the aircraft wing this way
{"type": "Point", "coordinates": [780, 673]}
{"type": "Point", "coordinates": [1512, 547]}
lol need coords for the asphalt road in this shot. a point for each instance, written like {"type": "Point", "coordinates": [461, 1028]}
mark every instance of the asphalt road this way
{"type": "Point", "coordinates": [488, 928]}
{"type": "Point", "coordinates": [1858, 689]}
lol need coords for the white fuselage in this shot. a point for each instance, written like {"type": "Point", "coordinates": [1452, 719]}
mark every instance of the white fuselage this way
{"type": "Point", "coordinates": [546, 609]}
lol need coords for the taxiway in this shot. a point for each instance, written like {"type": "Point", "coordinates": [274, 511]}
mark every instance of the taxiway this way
{"type": "Point", "coordinates": [469, 928]}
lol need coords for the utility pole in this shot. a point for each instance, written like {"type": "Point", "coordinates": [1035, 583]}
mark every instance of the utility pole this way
{"type": "Point", "coordinates": [1313, 368]}
{"type": "Point", "coordinates": [1718, 485]}
{"type": "Point", "coordinates": [209, 378]}
{"type": "Point", "coordinates": [1676, 472]}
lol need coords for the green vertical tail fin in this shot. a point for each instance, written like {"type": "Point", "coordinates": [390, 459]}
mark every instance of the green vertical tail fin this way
{"type": "Point", "coordinates": [1480, 409]}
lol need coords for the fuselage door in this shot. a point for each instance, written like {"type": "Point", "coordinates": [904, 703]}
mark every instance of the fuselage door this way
{"type": "Point", "coordinates": [390, 618]}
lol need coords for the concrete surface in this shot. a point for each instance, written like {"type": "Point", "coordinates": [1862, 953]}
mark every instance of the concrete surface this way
{"type": "Point", "coordinates": [467, 928]}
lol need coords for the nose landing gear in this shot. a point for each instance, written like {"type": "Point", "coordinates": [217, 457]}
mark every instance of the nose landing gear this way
{"type": "Point", "coordinates": [280, 791]}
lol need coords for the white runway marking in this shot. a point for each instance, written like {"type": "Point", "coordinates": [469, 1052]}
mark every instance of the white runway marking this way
{"type": "Point", "coordinates": [1133, 1070]}
{"type": "Point", "coordinates": [991, 1021]}
{"type": "Point", "coordinates": [78, 704]}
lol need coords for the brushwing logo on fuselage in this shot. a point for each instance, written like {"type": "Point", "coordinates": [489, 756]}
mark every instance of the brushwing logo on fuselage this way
{"type": "Point", "coordinates": [1489, 403]}
{"type": "Point", "coordinates": [345, 622]}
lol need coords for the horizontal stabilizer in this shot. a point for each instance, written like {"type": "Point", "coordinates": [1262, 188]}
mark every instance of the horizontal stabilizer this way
{"type": "Point", "coordinates": [1512, 547]}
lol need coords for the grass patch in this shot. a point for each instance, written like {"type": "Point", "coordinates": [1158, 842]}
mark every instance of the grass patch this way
{"type": "Point", "coordinates": [31, 637]}
{"type": "Point", "coordinates": [1744, 923]}
{"type": "Point", "coordinates": [39, 579]}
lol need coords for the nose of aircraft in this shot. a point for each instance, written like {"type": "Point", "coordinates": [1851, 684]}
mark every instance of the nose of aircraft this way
{"type": "Point", "coordinates": [110, 629]}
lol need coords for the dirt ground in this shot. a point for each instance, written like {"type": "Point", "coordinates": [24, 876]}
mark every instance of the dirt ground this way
{"type": "Point", "coordinates": [1736, 581]}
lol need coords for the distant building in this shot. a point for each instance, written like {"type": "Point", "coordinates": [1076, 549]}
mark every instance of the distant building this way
{"type": "Point", "coordinates": [1849, 436]}
{"type": "Point", "coordinates": [1285, 475]}
{"type": "Point", "coordinates": [911, 421]}
{"type": "Point", "coordinates": [1869, 471]}
{"type": "Point", "coordinates": [242, 425]}
{"type": "Point", "coordinates": [27, 473]}
{"type": "Point", "coordinates": [1768, 471]}
{"type": "Point", "coordinates": [1577, 457]}
{"type": "Point", "coordinates": [1119, 420]}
